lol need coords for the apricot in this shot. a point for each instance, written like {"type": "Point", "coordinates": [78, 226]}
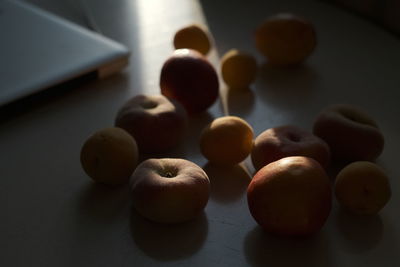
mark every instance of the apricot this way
{"type": "Point", "coordinates": [362, 187]}
{"type": "Point", "coordinates": [194, 37]}
{"type": "Point", "coordinates": [226, 140]}
{"type": "Point", "coordinates": [109, 156]}
{"type": "Point", "coordinates": [285, 39]}
{"type": "Point", "coordinates": [238, 69]}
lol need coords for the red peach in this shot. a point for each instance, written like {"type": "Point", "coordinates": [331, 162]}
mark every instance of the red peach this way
{"type": "Point", "coordinates": [169, 190]}
{"type": "Point", "coordinates": [156, 123]}
{"type": "Point", "coordinates": [350, 133]}
{"type": "Point", "coordinates": [285, 141]}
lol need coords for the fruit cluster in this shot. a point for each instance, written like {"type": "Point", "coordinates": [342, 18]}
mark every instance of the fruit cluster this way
{"type": "Point", "coordinates": [290, 193]}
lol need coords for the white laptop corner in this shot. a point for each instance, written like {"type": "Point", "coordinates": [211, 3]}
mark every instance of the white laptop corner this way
{"type": "Point", "coordinates": [39, 50]}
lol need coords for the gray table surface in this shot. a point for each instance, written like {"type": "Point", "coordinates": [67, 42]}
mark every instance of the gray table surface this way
{"type": "Point", "coordinates": [53, 215]}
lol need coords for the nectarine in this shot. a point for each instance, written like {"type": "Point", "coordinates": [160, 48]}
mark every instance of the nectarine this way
{"type": "Point", "coordinates": [188, 77]}
{"type": "Point", "coordinates": [291, 196]}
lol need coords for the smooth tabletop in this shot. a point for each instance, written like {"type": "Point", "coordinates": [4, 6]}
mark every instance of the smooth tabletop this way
{"type": "Point", "coordinates": [54, 215]}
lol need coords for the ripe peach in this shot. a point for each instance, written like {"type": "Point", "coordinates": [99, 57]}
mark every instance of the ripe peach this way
{"type": "Point", "coordinates": [156, 123]}
{"type": "Point", "coordinates": [169, 190]}
{"type": "Point", "coordinates": [109, 156]}
{"type": "Point", "coordinates": [350, 132]}
{"type": "Point", "coordinates": [284, 141]}
{"type": "Point", "coordinates": [188, 77]}
{"type": "Point", "coordinates": [291, 196]}
{"type": "Point", "coordinates": [226, 140]}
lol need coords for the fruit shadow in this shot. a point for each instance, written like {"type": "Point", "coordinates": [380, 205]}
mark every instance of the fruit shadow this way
{"type": "Point", "coordinates": [239, 102]}
{"type": "Point", "coordinates": [168, 242]}
{"type": "Point", "coordinates": [263, 249]}
{"type": "Point", "coordinates": [102, 203]}
{"type": "Point", "coordinates": [228, 183]}
{"type": "Point", "coordinates": [335, 166]}
{"type": "Point", "coordinates": [286, 86]}
{"type": "Point", "coordinates": [357, 233]}
{"type": "Point", "coordinates": [189, 145]}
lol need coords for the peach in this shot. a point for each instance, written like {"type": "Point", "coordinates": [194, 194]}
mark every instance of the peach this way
{"type": "Point", "coordinates": [109, 156]}
{"type": "Point", "coordinates": [291, 196]}
{"type": "Point", "coordinates": [188, 77]}
{"type": "Point", "coordinates": [350, 132]}
{"type": "Point", "coordinates": [238, 69]}
{"type": "Point", "coordinates": [285, 39]}
{"type": "Point", "coordinates": [363, 188]}
{"type": "Point", "coordinates": [193, 36]}
{"type": "Point", "coordinates": [169, 190]}
{"type": "Point", "coordinates": [226, 140]}
{"type": "Point", "coordinates": [284, 141]}
{"type": "Point", "coordinates": [156, 123]}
